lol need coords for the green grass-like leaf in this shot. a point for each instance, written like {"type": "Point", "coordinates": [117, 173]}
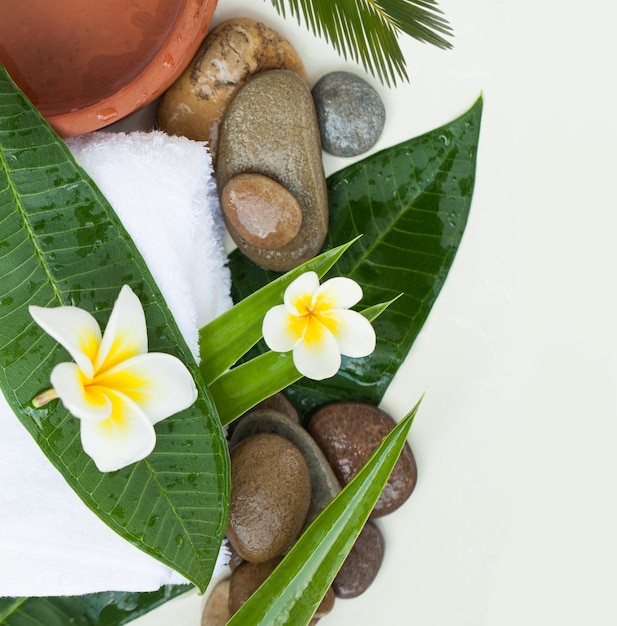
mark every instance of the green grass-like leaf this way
{"type": "Point", "coordinates": [367, 30]}
{"type": "Point", "coordinates": [63, 244]}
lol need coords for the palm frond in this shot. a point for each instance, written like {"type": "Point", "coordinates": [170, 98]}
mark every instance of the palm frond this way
{"type": "Point", "coordinates": [367, 30]}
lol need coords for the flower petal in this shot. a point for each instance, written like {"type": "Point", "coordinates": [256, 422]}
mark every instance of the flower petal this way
{"type": "Point", "coordinates": [354, 333]}
{"type": "Point", "coordinates": [281, 329]}
{"type": "Point", "coordinates": [160, 384]}
{"type": "Point", "coordinates": [337, 293]}
{"type": "Point", "coordinates": [123, 438]}
{"type": "Point", "coordinates": [87, 403]}
{"type": "Point", "coordinates": [125, 334]}
{"type": "Point", "coordinates": [75, 329]}
{"type": "Point", "coordinates": [299, 293]}
{"type": "Point", "coordinates": [318, 359]}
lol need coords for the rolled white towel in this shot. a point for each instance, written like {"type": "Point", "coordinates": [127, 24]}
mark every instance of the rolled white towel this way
{"type": "Point", "coordinates": [160, 186]}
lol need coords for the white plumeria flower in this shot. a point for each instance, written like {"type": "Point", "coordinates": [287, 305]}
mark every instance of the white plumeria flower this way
{"type": "Point", "coordinates": [315, 323]}
{"type": "Point", "coordinates": [115, 387]}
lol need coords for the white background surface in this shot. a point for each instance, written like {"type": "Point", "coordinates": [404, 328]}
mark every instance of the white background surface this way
{"type": "Point", "coordinates": [514, 519]}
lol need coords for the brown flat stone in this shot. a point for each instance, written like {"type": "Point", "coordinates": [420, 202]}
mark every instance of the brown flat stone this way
{"type": "Point", "coordinates": [262, 212]}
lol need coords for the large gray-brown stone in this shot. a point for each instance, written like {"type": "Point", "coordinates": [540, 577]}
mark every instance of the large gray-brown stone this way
{"type": "Point", "coordinates": [270, 128]}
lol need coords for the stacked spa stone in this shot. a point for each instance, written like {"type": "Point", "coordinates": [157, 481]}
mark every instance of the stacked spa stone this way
{"type": "Point", "coordinates": [283, 475]}
{"type": "Point", "coordinates": [246, 94]}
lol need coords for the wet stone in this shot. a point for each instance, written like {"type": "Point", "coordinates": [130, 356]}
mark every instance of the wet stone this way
{"type": "Point", "coordinates": [279, 402]}
{"type": "Point", "coordinates": [270, 128]}
{"type": "Point", "coordinates": [231, 54]}
{"type": "Point", "coordinates": [270, 496]}
{"type": "Point", "coordinates": [324, 484]}
{"type": "Point", "coordinates": [216, 610]}
{"type": "Point", "coordinates": [348, 433]}
{"type": "Point", "coordinates": [362, 563]}
{"type": "Point", "coordinates": [245, 580]}
{"type": "Point", "coordinates": [262, 212]}
{"type": "Point", "coordinates": [351, 113]}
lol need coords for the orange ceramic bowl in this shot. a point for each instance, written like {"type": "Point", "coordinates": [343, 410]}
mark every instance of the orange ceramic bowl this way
{"type": "Point", "coordinates": [86, 64]}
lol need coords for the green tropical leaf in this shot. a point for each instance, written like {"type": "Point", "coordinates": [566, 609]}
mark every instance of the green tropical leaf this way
{"type": "Point", "coordinates": [367, 30]}
{"type": "Point", "coordinates": [410, 202]}
{"type": "Point", "coordinates": [108, 608]}
{"type": "Point", "coordinates": [294, 590]}
{"type": "Point", "coordinates": [63, 244]}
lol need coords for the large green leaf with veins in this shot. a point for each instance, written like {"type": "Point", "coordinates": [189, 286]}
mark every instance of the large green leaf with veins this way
{"type": "Point", "coordinates": [108, 608]}
{"type": "Point", "coordinates": [63, 244]}
{"type": "Point", "coordinates": [410, 203]}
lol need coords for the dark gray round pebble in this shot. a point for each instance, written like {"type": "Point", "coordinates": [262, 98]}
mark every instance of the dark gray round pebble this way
{"type": "Point", "coordinates": [362, 563]}
{"type": "Point", "coordinates": [350, 113]}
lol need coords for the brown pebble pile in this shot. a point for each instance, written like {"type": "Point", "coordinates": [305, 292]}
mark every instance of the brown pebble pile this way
{"type": "Point", "coordinates": [284, 474]}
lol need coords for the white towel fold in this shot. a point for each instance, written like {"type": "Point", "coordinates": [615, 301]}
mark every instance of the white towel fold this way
{"type": "Point", "coordinates": [161, 188]}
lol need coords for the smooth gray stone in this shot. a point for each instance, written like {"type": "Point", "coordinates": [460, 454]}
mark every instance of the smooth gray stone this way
{"type": "Point", "coordinates": [350, 112]}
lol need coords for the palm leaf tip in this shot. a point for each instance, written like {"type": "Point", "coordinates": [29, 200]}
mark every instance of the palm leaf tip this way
{"type": "Point", "coordinates": [367, 30]}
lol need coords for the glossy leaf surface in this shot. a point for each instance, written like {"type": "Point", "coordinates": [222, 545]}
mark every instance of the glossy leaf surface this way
{"type": "Point", "coordinates": [410, 203]}
{"type": "Point", "coordinates": [294, 590]}
{"type": "Point", "coordinates": [63, 244]}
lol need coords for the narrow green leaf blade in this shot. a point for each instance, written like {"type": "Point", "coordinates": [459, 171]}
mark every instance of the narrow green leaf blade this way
{"type": "Point", "coordinates": [232, 334]}
{"type": "Point", "coordinates": [410, 202]}
{"type": "Point", "coordinates": [293, 591]}
{"type": "Point", "coordinates": [63, 244]}
{"type": "Point", "coordinates": [244, 386]}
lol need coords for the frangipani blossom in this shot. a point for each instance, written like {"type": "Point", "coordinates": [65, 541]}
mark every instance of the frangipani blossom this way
{"type": "Point", "coordinates": [315, 323]}
{"type": "Point", "coordinates": [114, 386]}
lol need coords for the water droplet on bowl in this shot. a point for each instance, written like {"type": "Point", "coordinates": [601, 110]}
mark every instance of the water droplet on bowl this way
{"type": "Point", "coordinates": [168, 61]}
{"type": "Point", "coordinates": [107, 113]}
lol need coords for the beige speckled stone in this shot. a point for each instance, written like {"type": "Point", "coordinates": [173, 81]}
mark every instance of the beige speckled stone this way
{"type": "Point", "coordinates": [261, 210]}
{"type": "Point", "coordinates": [270, 496]}
{"type": "Point", "coordinates": [231, 53]}
{"type": "Point", "coordinates": [270, 128]}
{"type": "Point", "coordinates": [216, 610]}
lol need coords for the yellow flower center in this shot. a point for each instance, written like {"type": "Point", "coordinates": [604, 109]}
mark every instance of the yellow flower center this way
{"type": "Point", "coordinates": [313, 319]}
